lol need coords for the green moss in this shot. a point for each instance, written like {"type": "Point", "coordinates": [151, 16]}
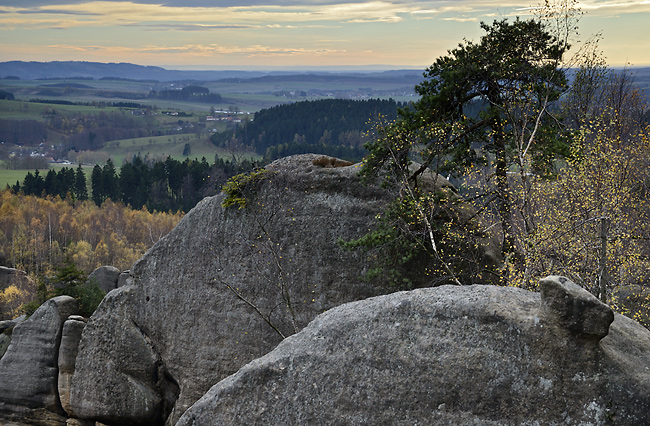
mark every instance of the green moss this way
{"type": "Point", "coordinates": [240, 188]}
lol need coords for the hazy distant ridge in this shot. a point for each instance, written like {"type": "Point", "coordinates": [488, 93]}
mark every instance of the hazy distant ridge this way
{"type": "Point", "coordinates": [97, 70]}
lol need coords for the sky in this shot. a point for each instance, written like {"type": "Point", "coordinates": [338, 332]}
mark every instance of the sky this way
{"type": "Point", "coordinates": [267, 34]}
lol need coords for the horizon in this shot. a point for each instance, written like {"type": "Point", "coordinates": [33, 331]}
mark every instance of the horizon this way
{"type": "Point", "coordinates": [286, 34]}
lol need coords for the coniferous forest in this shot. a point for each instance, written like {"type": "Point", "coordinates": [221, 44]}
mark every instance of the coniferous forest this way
{"type": "Point", "coordinates": [335, 127]}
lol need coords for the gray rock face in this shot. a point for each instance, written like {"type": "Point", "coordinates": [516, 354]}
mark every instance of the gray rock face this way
{"type": "Point", "coordinates": [478, 355]}
{"type": "Point", "coordinates": [70, 337]}
{"type": "Point", "coordinates": [190, 309]}
{"type": "Point", "coordinates": [124, 279]}
{"type": "Point", "coordinates": [106, 277]}
{"type": "Point", "coordinates": [29, 368]}
{"type": "Point", "coordinates": [6, 330]}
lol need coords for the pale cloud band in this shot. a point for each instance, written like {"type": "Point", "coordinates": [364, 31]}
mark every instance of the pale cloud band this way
{"type": "Point", "coordinates": [159, 31]}
{"type": "Point", "coordinates": [191, 15]}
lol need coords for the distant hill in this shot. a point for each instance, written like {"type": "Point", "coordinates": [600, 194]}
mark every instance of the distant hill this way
{"type": "Point", "coordinates": [98, 70]}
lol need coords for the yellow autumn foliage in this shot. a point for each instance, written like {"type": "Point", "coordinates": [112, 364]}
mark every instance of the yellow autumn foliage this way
{"type": "Point", "coordinates": [37, 233]}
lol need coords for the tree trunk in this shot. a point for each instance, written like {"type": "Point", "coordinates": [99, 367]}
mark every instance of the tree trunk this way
{"type": "Point", "coordinates": [601, 275]}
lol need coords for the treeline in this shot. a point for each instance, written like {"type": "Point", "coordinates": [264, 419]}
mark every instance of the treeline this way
{"type": "Point", "coordinates": [16, 131]}
{"type": "Point", "coordinates": [187, 93]}
{"type": "Point", "coordinates": [37, 234]}
{"type": "Point", "coordinates": [334, 127]}
{"type": "Point", "coordinates": [120, 104]}
{"type": "Point", "coordinates": [92, 131]}
{"type": "Point", "coordinates": [66, 182]}
{"type": "Point", "coordinates": [168, 185]}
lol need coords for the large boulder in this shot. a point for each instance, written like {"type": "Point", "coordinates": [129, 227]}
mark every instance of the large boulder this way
{"type": "Point", "coordinates": [29, 369]}
{"type": "Point", "coordinates": [223, 288]}
{"type": "Point", "coordinates": [106, 278]}
{"type": "Point", "coordinates": [478, 355]}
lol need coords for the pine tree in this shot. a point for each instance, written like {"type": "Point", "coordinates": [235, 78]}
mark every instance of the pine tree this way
{"type": "Point", "coordinates": [80, 188]}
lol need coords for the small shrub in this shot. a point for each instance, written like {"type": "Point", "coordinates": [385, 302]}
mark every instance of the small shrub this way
{"type": "Point", "coordinates": [239, 188]}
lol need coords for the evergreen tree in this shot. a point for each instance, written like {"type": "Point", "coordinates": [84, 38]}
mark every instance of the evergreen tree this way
{"type": "Point", "coordinates": [80, 188]}
{"type": "Point", "coordinates": [97, 185]}
{"type": "Point", "coordinates": [50, 185]}
{"type": "Point", "coordinates": [110, 181]}
{"type": "Point", "coordinates": [485, 103]}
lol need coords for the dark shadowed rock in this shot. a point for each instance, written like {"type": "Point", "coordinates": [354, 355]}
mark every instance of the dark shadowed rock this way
{"type": "Point", "coordinates": [124, 279]}
{"type": "Point", "coordinates": [29, 368]}
{"type": "Point", "coordinates": [571, 308]}
{"type": "Point", "coordinates": [478, 355]}
{"type": "Point", "coordinates": [106, 277]}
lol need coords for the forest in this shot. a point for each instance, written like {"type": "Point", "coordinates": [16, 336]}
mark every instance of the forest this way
{"type": "Point", "coordinates": [335, 127]}
{"type": "Point", "coordinates": [162, 186]}
{"type": "Point", "coordinates": [38, 234]}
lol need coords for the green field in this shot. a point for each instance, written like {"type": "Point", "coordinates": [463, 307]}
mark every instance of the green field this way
{"type": "Point", "coordinates": [246, 96]}
{"type": "Point", "coordinates": [157, 148]}
{"type": "Point", "coordinates": [167, 146]}
{"type": "Point", "coordinates": [9, 177]}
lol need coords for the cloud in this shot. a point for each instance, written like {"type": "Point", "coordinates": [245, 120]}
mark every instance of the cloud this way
{"type": "Point", "coordinates": [198, 50]}
{"type": "Point", "coordinates": [191, 27]}
{"type": "Point", "coordinates": [461, 19]}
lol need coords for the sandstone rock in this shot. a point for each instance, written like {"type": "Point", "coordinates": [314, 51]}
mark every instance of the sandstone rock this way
{"type": "Point", "coordinates": [106, 277]}
{"type": "Point", "coordinates": [124, 279]}
{"type": "Point", "coordinates": [197, 299]}
{"type": "Point", "coordinates": [573, 309]}
{"type": "Point", "coordinates": [70, 337]}
{"type": "Point", "coordinates": [29, 369]}
{"type": "Point", "coordinates": [132, 380]}
{"type": "Point", "coordinates": [479, 355]}
{"type": "Point", "coordinates": [6, 330]}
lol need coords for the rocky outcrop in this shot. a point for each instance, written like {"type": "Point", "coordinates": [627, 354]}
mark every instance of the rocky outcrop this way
{"type": "Point", "coordinates": [204, 300]}
{"type": "Point", "coordinates": [11, 276]}
{"type": "Point", "coordinates": [29, 368]}
{"type": "Point", "coordinates": [106, 278]}
{"type": "Point", "coordinates": [479, 355]}
{"type": "Point", "coordinates": [6, 330]}
{"type": "Point", "coordinates": [68, 350]}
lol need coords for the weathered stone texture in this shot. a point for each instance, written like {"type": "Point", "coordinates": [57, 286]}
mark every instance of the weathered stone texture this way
{"type": "Point", "coordinates": [70, 337]}
{"type": "Point", "coordinates": [29, 368]}
{"type": "Point", "coordinates": [106, 278]}
{"type": "Point", "coordinates": [191, 328]}
{"type": "Point", "coordinates": [479, 355]}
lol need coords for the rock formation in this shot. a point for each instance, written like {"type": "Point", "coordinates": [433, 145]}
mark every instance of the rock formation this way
{"type": "Point", "coordinates": [29, 368]}
{"type": "Point", "coordinates": [479, 355]}
{"type": "Point", "coordinates": [106, 278]}
{"type": "Point", "coordinates": [6, 330]}
{"type": "Point", "coordinates": [205, 299]}
{"type": "Point", "coordinates": [68, 350]}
